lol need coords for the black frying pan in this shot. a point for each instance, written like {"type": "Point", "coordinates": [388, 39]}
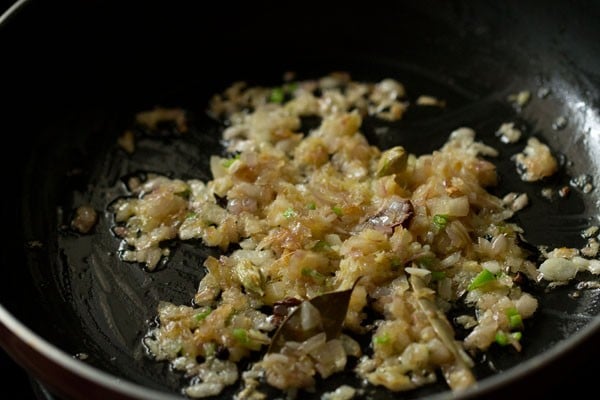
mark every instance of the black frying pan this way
{"type": "Point", "coordinates": [76, 72]}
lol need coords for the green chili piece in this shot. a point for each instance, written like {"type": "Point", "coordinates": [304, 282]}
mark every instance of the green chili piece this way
{"type": "Point", "coordinates": [440, 221]}
{"type": "Point", "coordinates": [277, 95]}
{"type": "Point", "coordinates": [228, 162]}
{"type": "Point", "coordinates": [511, 311]}
{"type": "Point", "coordinates": [203, 314]}
{"type": "Point", "coordinates": [241, 335]}
{"type": "Point", "coordinates": [381, 339]}
{"type": "Point", "coordinates": [515, 321]}
{"type": "Point", "coordinates": [501, 338]}
{"type": "Point", "coordinates": [289, 213]}
{"type": "Point", "coordinates": [483, 278]}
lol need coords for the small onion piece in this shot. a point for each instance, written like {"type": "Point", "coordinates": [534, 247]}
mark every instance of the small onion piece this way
{"type": "Point", "coordinates": [558, 269]}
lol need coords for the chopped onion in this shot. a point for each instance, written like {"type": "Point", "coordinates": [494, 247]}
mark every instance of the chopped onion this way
{"type": "Point", "coordinates": [558, 269]}
{"type": "Point", "coordinates": [309, 316]}
{"type": "Point", "coordinates": [420, 272]}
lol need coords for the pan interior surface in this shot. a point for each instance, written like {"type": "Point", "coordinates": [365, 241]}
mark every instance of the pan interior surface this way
{"type": "Point", "coordinates": [78, 295]}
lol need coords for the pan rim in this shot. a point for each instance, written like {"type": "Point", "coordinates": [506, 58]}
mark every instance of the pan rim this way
{"type": "Point", "coordinates": [27, 339]}
{"type": "Point", "coordinates": [11, 11]}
